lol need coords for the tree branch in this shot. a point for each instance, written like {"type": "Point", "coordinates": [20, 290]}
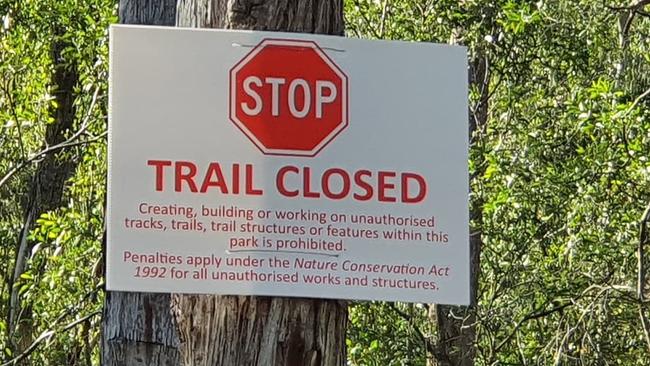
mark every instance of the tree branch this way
{"type": "Point", "coordinates": [636, 101]}
{"type": "Point", "coordinates": [369, 24]}
{"type": "Point", "coordinates": [47, 335]}
{"type": "Point", "coordinates": [427, 345]}
{"type": "Point", "coordinates": [645, 325]}
{"type": "Point", "coordinates": [51, 332]}
{"type": "Point", "coordinates": [47, 151]}
{"type": "Point", "coordinates": [12, 107]}
{"type": "Point", "coordinates": [528, 317]}
{"type": "Point", "coordinates": [54, 148]}
{"type": "Point", "coordinates": [643, 240]}
{"type": "Point", "coordinates": [382, 23]}
{"type": "Point", "coordinates": [636, 6]}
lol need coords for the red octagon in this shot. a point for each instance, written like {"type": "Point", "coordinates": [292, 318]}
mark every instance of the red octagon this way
{"type": "Point", "coordinates": [288, 97]}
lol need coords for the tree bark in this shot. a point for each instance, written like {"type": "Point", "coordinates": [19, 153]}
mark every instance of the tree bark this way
{"type": "Point", "coordinates": [147, 12]}
{"type": "Point", "coordinates": [138, 328]}
{"type": "Point", "coordinates": [245, 330]}
{"type": "Point", "coordinates": [302, 16]}
{"type": "Point", "coordinates": [240, 330]}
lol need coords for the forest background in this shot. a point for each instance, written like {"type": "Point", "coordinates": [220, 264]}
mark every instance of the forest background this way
{"type": "Point", "coordinates": [559, 171]}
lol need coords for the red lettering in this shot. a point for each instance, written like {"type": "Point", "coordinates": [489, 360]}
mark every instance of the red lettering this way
{"type": "Point", "coordinates": [187, 177]}
{"type": "Point", "coordinates": [384, 186]}
{"type": "Point", "coordinates": [334, 183]}
{"type": "Point", "coordinates": [159, 164]}
{"type": "Point", "coordinates": [306, 180]}
{"type": "Point", "coordinates": [405, 188]}
{"type": "Point", "coordinates": [235, 179]}
{"type": "Point", "coordinates": [358, 180]}
{"type": "Point", "coordinates": [279, 181]}
{"type": "Point", "coordinates": [249, 182]}
{"type": "Point", "coordinates": [325, 183]}
{"type": "Point", "coordinates": [338, 183]}
{"type": "Point", "coordinates": [214, 169]}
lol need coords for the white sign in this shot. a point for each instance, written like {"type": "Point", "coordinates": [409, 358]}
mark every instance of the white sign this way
{"type": "Point", "coordinates": [286, 164]}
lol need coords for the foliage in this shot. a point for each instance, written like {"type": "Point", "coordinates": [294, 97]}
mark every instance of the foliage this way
{"type": "Point", "coordinates": [58, 288]}
{"type": "Point", "coordinates": [560, 177]}
{"type": "Point", "coordinates": [559, 172]}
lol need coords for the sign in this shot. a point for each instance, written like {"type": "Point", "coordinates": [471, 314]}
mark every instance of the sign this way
{"type": "Point", "coordinates": [288, 97]}
{"type": "Point", "coordinates": [280, 164]}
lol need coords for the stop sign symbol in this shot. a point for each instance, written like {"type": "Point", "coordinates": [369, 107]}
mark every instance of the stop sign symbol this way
{"type": "Point", "coordinates": [288, 97]}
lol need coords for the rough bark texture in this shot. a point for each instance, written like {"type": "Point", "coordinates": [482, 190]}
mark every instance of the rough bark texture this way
{"type": "Point", "coordinates": [303, 16]}
{"type": "Point", "coordinates": [456, 324]}
{"type": "Point", "coordinates": [149, 12]}
{"type": "Point", "coordinates": [138, 329]}
{"type": "Point", "coordinates": [239, 330]}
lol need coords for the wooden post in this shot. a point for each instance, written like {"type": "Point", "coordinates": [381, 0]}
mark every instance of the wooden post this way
{"type": "Point", "coordinates": [263, 331]}
{"type": "Point", "coordinates": [138, 329]}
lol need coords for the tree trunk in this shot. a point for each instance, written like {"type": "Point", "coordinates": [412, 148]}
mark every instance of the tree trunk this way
{"type": "Point", "coordinates": [244, 330]}
{"type": "Point", "coordinates": [147, 12]}
{"type": "Point", "coordinates": [240, 330]}
{"type": "Point", "coordinates": [47, 185]}
{"type": "Point", "coordinates": [302, 16]}
{"type": "Point", "coordinates": [138, 328]}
